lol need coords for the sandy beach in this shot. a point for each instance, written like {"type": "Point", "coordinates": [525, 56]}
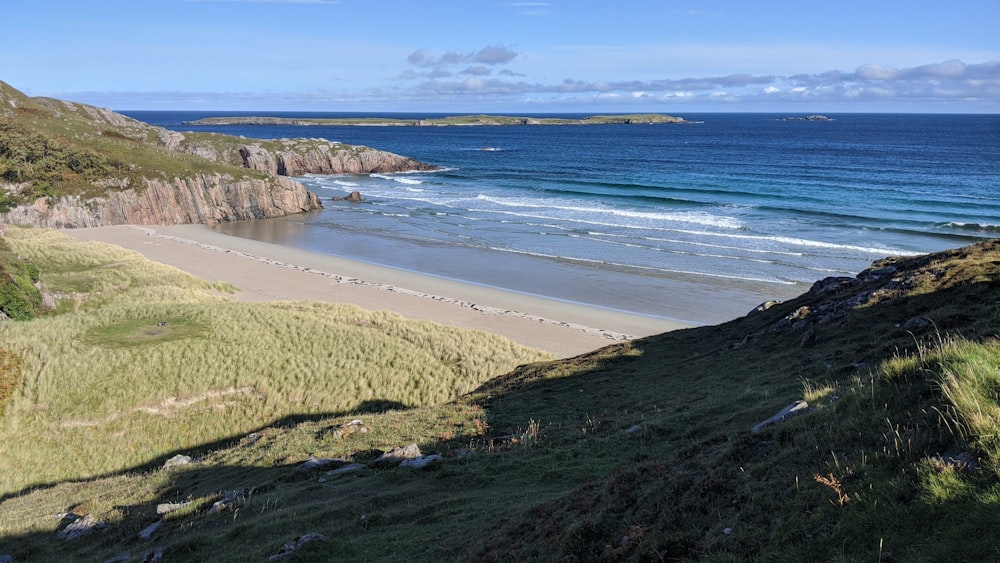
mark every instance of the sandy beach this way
{"type": "Point", "coordinates": [269, 272]}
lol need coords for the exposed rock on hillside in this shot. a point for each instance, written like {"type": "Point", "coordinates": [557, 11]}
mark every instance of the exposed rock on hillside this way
{"type": "Point", "coordinates": [201, 199]}
{"type": "Point", "coordinates": [892, 282]}
{"type": "Point", "coordinates": [296, 157]}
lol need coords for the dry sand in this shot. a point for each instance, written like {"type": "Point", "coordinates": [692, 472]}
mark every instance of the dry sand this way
{"type": "Point", "coordinates": [269, 272]}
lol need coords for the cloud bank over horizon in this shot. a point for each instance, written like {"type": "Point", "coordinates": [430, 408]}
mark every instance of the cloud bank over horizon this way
{"type": "Point", "coordinates": [475, 81]}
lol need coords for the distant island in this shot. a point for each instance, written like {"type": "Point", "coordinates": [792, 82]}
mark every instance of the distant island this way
{"type": "Point", "coordinates": [458, 120]}
{"type": "Point", "coordinates": [806, 118]}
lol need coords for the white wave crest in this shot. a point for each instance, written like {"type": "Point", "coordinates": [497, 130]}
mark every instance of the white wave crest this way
{"type": "Point", "coordinates": [398, 179]}
{"type": "Point", "coordinates": [605, 216]}
{"type": "Point", "coordinates": [793, 241]}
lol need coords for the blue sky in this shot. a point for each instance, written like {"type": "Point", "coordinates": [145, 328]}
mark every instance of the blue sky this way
{"type": "Point", "coordinates": [508, 56]}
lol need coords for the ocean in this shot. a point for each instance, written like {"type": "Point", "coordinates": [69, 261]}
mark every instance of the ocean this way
{"type": "Point", "coordinates": [695, 222]}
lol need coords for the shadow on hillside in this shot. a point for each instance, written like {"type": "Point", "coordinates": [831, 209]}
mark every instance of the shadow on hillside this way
{"type": "Point", "coordinates": [372, 406]}
{"type": "Point", "coordinates": [206, 499]}
{"type": "Point", "coordinates": [695, 369]}
{"type": "Point", "coordinates": [197, 489]}
{"type": "Point", "coordinates": [824, 337]}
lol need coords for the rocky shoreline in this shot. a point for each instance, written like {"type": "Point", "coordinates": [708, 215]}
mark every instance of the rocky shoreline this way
{"type": "Point", "coordinates": [204, 199]}
{"type": "Point", "coordinates": [145, 175]}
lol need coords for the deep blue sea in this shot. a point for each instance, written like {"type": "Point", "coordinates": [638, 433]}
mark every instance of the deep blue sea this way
{"type": "Point", "coordinates": [734, 207]}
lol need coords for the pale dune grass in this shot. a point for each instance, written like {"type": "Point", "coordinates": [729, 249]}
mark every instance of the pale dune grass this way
{"type": "Point", "coordinates": [154, 361]}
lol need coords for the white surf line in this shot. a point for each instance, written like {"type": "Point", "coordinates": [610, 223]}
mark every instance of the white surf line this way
{"type": "Point", "coordinates": [341, 279]}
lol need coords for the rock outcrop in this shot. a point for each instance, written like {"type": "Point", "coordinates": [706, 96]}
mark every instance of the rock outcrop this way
{"type": "Point", "coordinates": [205, 199]}
{"type": "Point", "coordinates": [354, 197]}
{"type": "Point", "coordinates": [296, 157]}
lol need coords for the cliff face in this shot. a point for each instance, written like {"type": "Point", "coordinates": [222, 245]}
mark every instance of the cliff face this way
{"type": "Point", "coordinates": [199, 199]}
{"type": "Point", "coordinates": [316, 156]}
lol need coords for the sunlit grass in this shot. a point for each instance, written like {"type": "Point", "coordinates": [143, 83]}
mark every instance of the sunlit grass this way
{"type": "Point", "coordinates": [970, 379]}
{"type": "Point", "coordinates": [156, 361]}
{"type": "Point", "coordinates": [638, 451]}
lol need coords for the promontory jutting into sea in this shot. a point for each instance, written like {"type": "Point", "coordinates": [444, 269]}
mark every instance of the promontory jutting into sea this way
{"type": "Point", "coordinates": [744, 206]}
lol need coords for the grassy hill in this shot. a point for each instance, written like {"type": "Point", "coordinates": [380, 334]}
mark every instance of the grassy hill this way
{"type": "Point", "coordinates": [51, 148]}
{"type": "Point", "coordinates": [60, 151]}
{"type": "Point", "coordinates": [638, 451]}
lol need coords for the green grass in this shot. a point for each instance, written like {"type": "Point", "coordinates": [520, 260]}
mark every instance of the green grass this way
{"type": "Point", "coordinates": [145, 331]}
{"type": "Point", "coordinates": [154, 360]}
{"type": "Point", "coordinates": [637, 451]}
{"type": "Point", "coordinates": [50, 149]}
{"type": "Point", "coordinates": [19, 298]}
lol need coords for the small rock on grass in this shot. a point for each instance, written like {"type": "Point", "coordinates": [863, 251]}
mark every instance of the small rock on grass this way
{"type": "Point", "coordinates": [420, 462]}
{"type": "Point", "coordinates": [355, 426]}
{"type": "Point", "coordinates": [396, 456]}
{"type": "Point", "coordinates": [795, 409]}
{"type": "Point", "coordinates": [148, 531]}
{"type": "Point", "coordinates": [295, 544]}
{"type": "Point", "coordinates": [168, 507]}
{"type": "Point", "coordinates": [318, 464]}
{"type": "Point", "coordinates": [80, 526]}
{"type": "Point", "coordinates": [229, 499]}
{"type": "Point", "coordinates": [177, 460]}
{"type": "Point", "coordinates": [345, 469]}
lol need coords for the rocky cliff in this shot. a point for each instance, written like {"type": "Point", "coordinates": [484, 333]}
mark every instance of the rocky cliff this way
{"type": "Point", "coordinates": [205, 199]}
{"type": "Point", "coordinates": [64, 164]}
{"type": "Point", "coordinates": [295, 157]}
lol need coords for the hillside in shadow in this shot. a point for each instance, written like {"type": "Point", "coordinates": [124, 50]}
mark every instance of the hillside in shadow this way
{"type": "Point", "coordinates": [655, 449]}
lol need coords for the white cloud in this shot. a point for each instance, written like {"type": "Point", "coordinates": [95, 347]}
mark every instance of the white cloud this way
{"type": "Point", "coordinates": [949, 85]}
{"type": "Point", "coordinates": [947, 69]}
{"type": "Point", "coordinates": [491, 55]}
{"type": "Point", "coordinates": [876, 72]}
{"type": "Point", "coordinates": [477, 70]}
{"type": "Point", "coordinates": [938, 82]}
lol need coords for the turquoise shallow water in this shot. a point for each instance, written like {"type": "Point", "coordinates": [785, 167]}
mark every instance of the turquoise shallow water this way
{"type": "Point", "coordinates": [738, 207]}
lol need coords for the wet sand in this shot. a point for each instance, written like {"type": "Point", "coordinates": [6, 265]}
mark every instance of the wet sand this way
{"type": "Point", "coordinates": [270, 272]}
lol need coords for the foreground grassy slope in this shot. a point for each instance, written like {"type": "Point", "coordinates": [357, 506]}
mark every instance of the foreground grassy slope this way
{"type": "Point", "coordinates": [637, 451]}
{"type": "Point", "coordinates": [145, 360]}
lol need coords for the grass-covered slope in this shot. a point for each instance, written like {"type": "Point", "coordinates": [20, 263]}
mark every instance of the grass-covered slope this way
{"type": "Point", "coordinates": [141, 360]}
{"type": "Point", "coordinates": [638, 451]}
{"type": "Point", "coordinates": [899, 461]}
{"type": "Point", "coordinates": [52, 148]}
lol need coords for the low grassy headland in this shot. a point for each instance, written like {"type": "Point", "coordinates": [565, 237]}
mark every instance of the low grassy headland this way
{"type": "Point", "coordinates": [643, 450]}
{"type": "Point", "coordinates": [457, 120]}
